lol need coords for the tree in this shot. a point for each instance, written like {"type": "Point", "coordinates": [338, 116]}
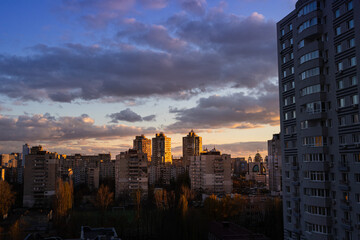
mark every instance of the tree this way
{"type": "Point", "coordinates": [16, 230]}
{"type": "Point", "coordinates": [64, 198]}
{"type": "Point", "coordinates": [104, 197]}
{"type": "Point", "coordinates": [7, 198]}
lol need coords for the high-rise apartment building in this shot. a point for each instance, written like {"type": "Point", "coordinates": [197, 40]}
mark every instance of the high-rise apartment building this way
{"type": "Point", "coordinates": [211, 172]}
{"type": "Point", "coordinates": [131, 172]}
{"type": "Point", "coordinates": [161, 149]}
{"type": "Point", "coordinates": [319, 71]}
{"type": "Point", "coordinates": [143, 145]}
{"type": "Point", "coordinates": [41, 173]}
{"type": "Point", "coordinates": [274, 165]}
{"type": "Point", "coordinates": [192, 146]}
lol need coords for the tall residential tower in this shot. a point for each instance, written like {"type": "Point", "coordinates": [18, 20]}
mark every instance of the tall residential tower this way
{"type": "Point", "coordinates": [161, 147]}
{"type": "Point", "coordinates": [192, 146]}
{"type": "Point", "coordinates": [143, 145]}
{"type": "Point", "coordinates": [319, 55]}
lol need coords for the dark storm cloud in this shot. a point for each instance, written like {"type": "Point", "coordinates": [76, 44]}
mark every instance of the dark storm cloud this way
{"type": "Point", "coordinates": [214, 51]}
{"type": "Point", "coordinates": [234, 111]}
{"type": "Point", "coordinates": [129, 116]}
{"type": "Point", "coordinates": [48, 128]}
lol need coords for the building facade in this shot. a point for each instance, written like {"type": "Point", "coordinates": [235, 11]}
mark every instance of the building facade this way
{"type": "Point", "coordinates": [210, 172]}
{"type": "Point", "coordinates": [161, 149]}
{"type": "Point", "coordinates": [131, 173]}
{"type": "Point", "coordinates": [143, 145]}
{"type": "Point", "coordinates": [274, 165]}
{"type": "Point", "coordinates": [40, 176]}
{"type": "Point", "coordinates": [318, 56]}
{"type": "Point", "coordinates": [192, 146]}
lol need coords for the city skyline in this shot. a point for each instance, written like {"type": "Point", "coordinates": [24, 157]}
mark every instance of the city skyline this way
{"type": "Point", "coordinates": [87, 76]}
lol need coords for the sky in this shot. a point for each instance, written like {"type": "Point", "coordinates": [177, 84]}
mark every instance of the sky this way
{"type": "Point", "coordinates": [87, 76]}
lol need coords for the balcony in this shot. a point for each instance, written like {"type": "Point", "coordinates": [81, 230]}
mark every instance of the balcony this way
{"type": "Point", "coordinates": [344, 186]}
{"type": "Point", "coordinates": [343, 167]}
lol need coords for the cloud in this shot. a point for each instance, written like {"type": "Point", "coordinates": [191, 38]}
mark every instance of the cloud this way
{"type": "Point", "coordinates": [181, 58]}
{"type": "Point", "coordinates": [155, 4]}
{"type": "Point", "coordinates": [48, 128]}
{"type": "Point", "coordinates": [241, 149]}
{"type": "Point", "coordinates": [194, 6]}
{"type": "Point", "coordinates": [233, 111]}
{"type": "Point", "coordinates": [129, 116]}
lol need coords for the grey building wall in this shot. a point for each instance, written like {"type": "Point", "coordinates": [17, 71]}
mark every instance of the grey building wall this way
{"type": "Point", "coordinates": [318, 56]}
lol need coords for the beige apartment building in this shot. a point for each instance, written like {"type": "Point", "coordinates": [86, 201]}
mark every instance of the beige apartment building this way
{"type": "Point", "coordinates": [211, 172]}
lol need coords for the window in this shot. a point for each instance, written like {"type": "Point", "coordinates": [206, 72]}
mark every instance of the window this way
{"type": "Point", "coordinates": [350, 24]}
{"type": "Point", "coordinates": [291, 41]}
{"type": "Point", "coordinates": [340, 84]}
{"type": "Point", "coordinates": [353, 80]}
{"type": "Point", "coordinates": [301, 44]}
{"type": "Point", "coordinates": [340, 66]}
{"type": "Point", "coordinates": [310, 90]}
{"type": "Point", "coordinates": [307, 24]}
{"type": "Point", "coordinates": [315, 107]}
{"type": "Point", "coordinates": [352, 43]}
{"type": "Point", "coordinates": [304, 124]}
{"type": "Point", "coordinates": [338, 48]}
{"type": "Point", "coordinates": [356, 157]}
{"type": "Point", "coordinates": [352, 61]}
{"type": "Point", "coordinates": [314, 157]}
{"type": "Point", "coordinates": [338, 31]}
{"type": "Point", "coordinates": [283, 46]}
{"type": "Point", "coordinates": [284, 59]}
{"type": "Point", "coordinates": [313, 141]}
{"type": "Point", "coordinates": [309, 56]}
{"type": "Point", "coordinates": [292, 70]}
{"type": "Point", "coordinates": [287, 174]}
{"type": "Point", "coordinates": [285, 87]}
{"type": "Point", "coordinates": [292, 55]}
{"type": "Point", "coordinates": [350, 5]}
{"type": "Point", "coordinates": [290, 27]}
{"type": "Point", "coordinates": [307, 9]}
{"type": "Point", "coordinates": [337, 13]}
{"type": "Point", "coordinates": [310, 73]}
{"type": "Point", "coordinates": [356, 138]}
{"type": "Point", "coordinates": [342, 139]}
{"type": "Point", "coordinates": [355, 99]}
{"type": "Point", "coordinates": [341, 102]}
{"type": "Point", "coordinates": [355, 118]}
{"type": "Point", "coordinates": [342, 121]}
{"type": "Point", "coordinates": [292, 84]}
{"type": "Point", "coordinates": [284, 73]}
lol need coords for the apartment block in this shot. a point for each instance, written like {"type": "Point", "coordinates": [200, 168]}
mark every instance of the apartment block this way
{"type": "Point", "coordinates": [143, 145]}
{"type": "Point", "coordinates": [211, 172]}
{"type": "Point", "coordinates": [318, 58]}
{"type": "Point", "coordinates": [40, 176]}
{"type": "Point", "coordinates": [131, 173]}
{"type": "Point", "coordinates": [192, 146]}
{"type": "Point", "coordinates": [274, 165]}
{"type": "Point", "coordinates": [161, 149]}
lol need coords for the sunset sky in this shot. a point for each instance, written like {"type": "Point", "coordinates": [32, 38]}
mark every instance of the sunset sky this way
{"type": "Point", "coordinates": [86, 76]}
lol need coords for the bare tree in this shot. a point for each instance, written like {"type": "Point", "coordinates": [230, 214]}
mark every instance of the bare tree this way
{"type": "Point", "coordinates": [7, 198]}
{"type": "Point", "coordinates": [104, 197]}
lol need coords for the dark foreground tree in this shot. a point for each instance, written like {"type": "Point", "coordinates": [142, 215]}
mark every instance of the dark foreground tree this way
{"type": "Point", "coordinates": [7, 198]}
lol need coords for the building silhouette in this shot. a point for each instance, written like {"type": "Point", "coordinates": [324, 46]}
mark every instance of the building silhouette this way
{"type": "Point", "coordinates": [318, 55]}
